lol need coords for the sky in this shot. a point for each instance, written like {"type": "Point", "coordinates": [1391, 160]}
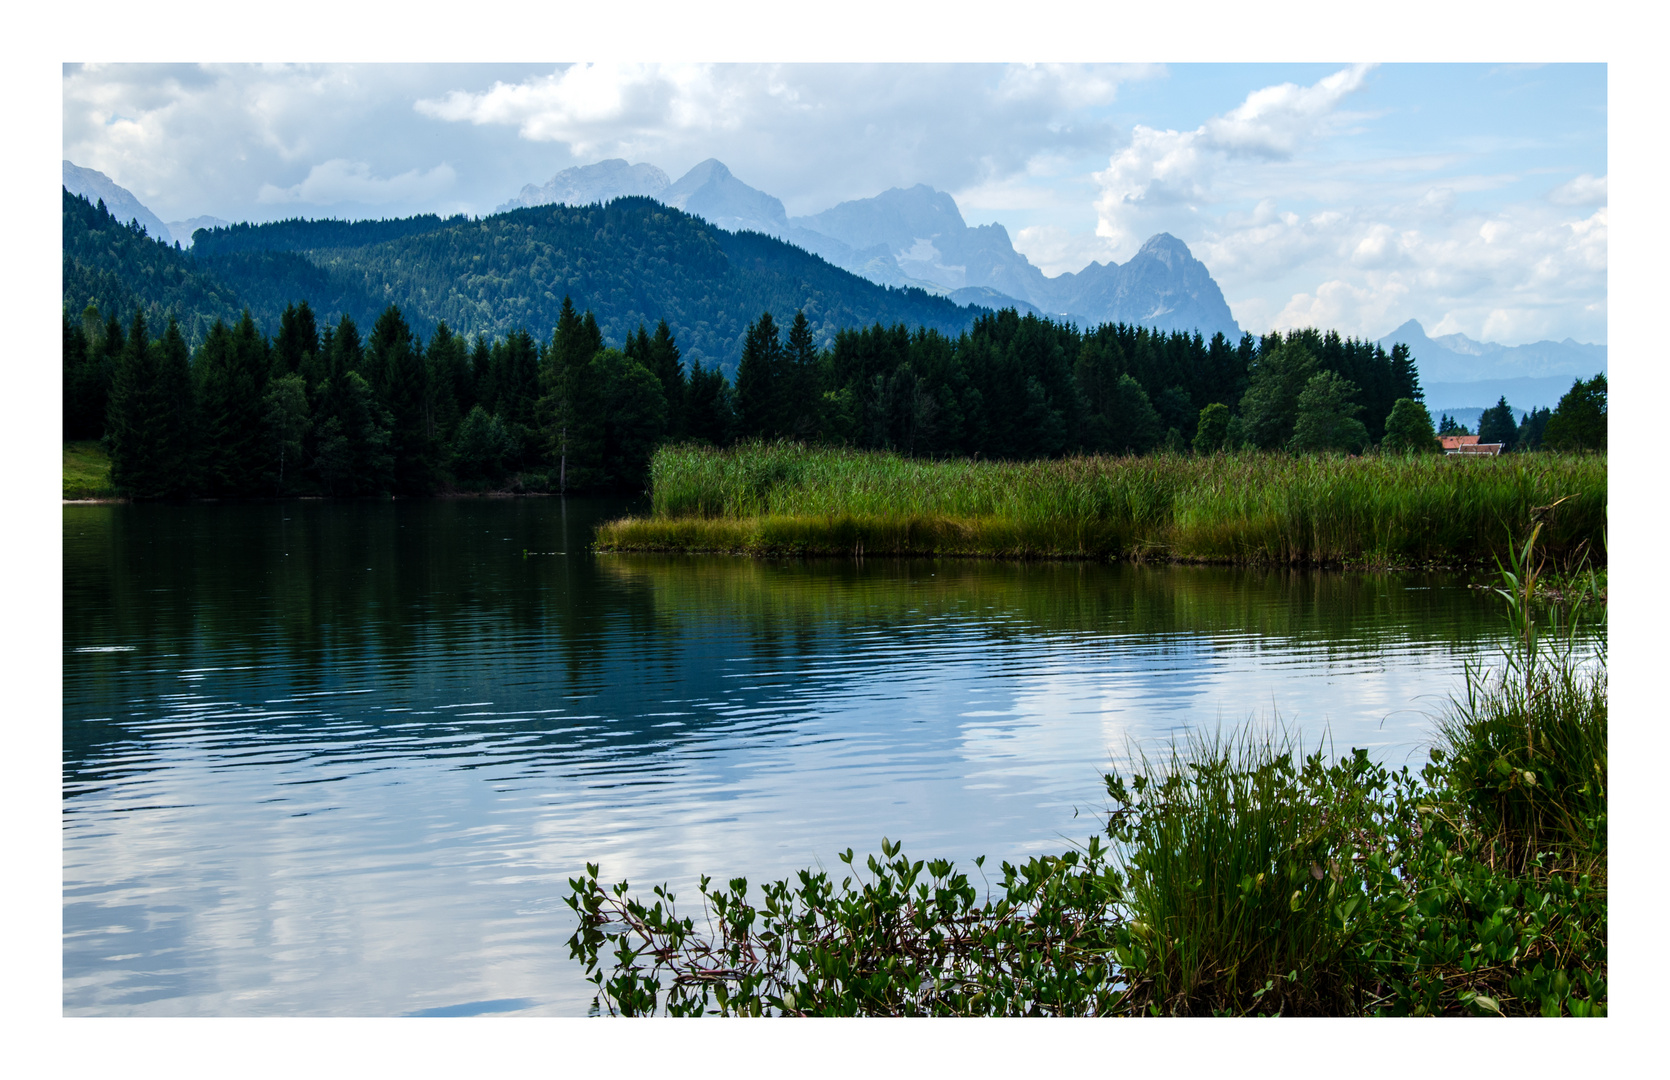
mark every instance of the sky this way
{"type": "Point", "coordinates": [1469, 196]}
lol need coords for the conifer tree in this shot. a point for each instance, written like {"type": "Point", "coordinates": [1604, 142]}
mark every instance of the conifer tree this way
{"type": "Point", "coordinates": [136, 414]}
{"type": "Point", "coordinates": [1497, 425]}
{"type": "Point", "coordinates": [353, 438]}
{"type": "Point", "coordinates": [298, 335]}
{"type": "Point", "coordinates": [1579, 420]}
{"type": "Point", "coordinates": [664, 363]}
{"type": "Point", "coordinates": [449, 381]}
{"type": "Point", "coordinates": [760, 379]}
{"type": "Point", "coordinates": [232, 370]}
{"type": "Point", "coordinates": [177, 436]}
{"type": "Point", "coordinates": [802, 392]}
{"type": "Point", "coordinates": [405, 391]}
{"type": "Point", "coordinates": [709, 411]}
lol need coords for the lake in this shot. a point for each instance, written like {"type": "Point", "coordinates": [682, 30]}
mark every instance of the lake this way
{"type": "Point", "coordinates": [329, 758]}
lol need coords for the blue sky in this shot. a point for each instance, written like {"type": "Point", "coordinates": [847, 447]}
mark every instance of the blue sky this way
{"type": "Point", "coordinates": [1469, 196]}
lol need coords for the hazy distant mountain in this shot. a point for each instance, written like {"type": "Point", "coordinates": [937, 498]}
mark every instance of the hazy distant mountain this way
{"type": "Point", "coordinates": [583, 185]}
{"type": "Point", "coordinates": [1458, 371]}
{"type": "Point", "coordinates": [928, 240]}
{"type": "Point", "coordinates": [981, 296]}
{"type": "Point", "coordinates": [710, 192]}
{"type": "Point", "coordinates": [1163, 286]}
{"type": "Point", "coordinates": [182, 230]}
{"type": "Point", "coordinates": [121, 203]}
{"type": "Point", "coordinates": [917, 237]}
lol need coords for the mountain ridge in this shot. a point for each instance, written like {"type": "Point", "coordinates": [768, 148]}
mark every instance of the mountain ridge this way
{"type": "Point", "coordinates": [918, 237]}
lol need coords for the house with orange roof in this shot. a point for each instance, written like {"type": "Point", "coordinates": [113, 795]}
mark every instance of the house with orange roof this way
{"type": "Point", "coordinates": [1468, 446]}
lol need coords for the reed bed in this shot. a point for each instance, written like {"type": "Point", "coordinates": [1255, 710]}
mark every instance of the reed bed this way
{"type": "Point", "coordinates": [1379, 510]}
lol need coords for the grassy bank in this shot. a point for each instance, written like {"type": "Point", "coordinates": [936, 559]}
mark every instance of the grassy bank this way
{"type": "Point", "coordinates": [1241, 874]}
{"type": "Point", "coordinates": [87, 471]}
{"type": "Point", "coordinates": [1242, 508]}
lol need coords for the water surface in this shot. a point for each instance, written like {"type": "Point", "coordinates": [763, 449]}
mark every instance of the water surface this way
{"type": "Point", "coordinates": [342, 758]}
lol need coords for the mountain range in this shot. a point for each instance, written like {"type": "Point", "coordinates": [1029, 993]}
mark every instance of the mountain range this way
{"type": "Point", "coordinates": [1459, 372]}
{"type": "Point", "coordinates": [917, 237]}
{"type": "Point", "coordinates": [124, 207]}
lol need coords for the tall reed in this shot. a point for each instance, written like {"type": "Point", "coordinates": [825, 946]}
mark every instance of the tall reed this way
{"type": "Point", "coordinates": [1387, 510]}
{"type": "Point", "coordinates": [1527, 745]}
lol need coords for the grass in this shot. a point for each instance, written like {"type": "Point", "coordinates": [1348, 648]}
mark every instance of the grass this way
{"type": "Point", "coordinates": [87, 471]}
{"type": "Point", "coordinates": [785, 499]}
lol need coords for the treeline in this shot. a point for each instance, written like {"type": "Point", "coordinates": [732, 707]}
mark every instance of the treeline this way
{"type": "Point", "coordinates": [326, 409]}
{"type": "Point", "coordinates": [1577, 422]}
{"type": "Point", "coordinates": [632, 261]}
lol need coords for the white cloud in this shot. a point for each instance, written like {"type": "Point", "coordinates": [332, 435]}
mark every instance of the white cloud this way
{"type": "Point", "coordinates": [812, 134]}
{"type": "Point", "coordinates": [1301, 207]}
{"type": "Point", "coordinates": [1055, 250]}
{"type": "Point", "coordinates": [599, 109]}
{"type": "Point", "coordinates": [1584, 190]}
{"type": "Point", "coordinates": [1509, 276]}
{"type": "Point", "coordinates": [341, 181]}
{"type": "Point", "coordinates": [1172, 168]}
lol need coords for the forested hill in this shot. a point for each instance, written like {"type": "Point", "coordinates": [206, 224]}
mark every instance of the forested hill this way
{"type": "Point", "coordinates": [302, 234]}
{"type": "Point", "coordinates": [118, 268]}
{"type": "Point", "coordinates": [633, 260]}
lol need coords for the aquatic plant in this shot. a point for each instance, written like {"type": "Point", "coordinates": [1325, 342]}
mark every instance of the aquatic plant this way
{"type": "Point", "coordinates": [1246, 507]}
{"type": "Point", "coordinates": [1244, 876]}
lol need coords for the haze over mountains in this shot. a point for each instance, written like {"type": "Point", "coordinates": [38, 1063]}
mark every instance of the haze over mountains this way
{"type": "Point", "coordinates": [1458, 372]}
{"type": "Point", "coordinates": [918, 237]}
{"type": "Point", "coordinates": [124, 207]}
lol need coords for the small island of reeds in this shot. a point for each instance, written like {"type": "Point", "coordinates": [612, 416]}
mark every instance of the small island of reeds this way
{"type": "Point", "coordinates": [1380, 510]}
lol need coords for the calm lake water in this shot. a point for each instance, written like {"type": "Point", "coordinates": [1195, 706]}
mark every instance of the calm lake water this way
{"type": "Point", "coordinates": [342, 758]}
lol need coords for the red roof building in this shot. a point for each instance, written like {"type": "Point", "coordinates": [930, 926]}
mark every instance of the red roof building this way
{"type": "Point", "coordinates": [1468, 446]}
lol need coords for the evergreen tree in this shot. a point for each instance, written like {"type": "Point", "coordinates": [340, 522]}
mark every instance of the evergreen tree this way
{"type": "Point", "coordinates": [1212, 429]}
{"type": "Point", "coordinates": [1448, 425]}
{"type": "Point", "coordinates": [1579, 420]}
{"type": "Point", "coordinates": [394, 354]}
{"type": "Point", "coordinates": [1325, 417]}
{"type": "Point", "coordinates": [1133, 424]}
{"type": "Point", "coordinates": [298, 335]}
{"type": "Point", "coordinates": [663, 362]}
{"type": "Point", "coordinates": [481, 372]}
{"type": "Point", "coordinates": [347, 352]}
{"type": "Point", "coordinates": [449, 379]}
{"type": "Point", "coordinates": [802, 393]}
{"type": "Point", "coordinates": [80, 419]}
{"type": "Point", "coordinates": [1409, 429]}
{"type": "Point", "coordinates": [709, 412]}
{"type": "Point", "coordinates": [761, 379]}
{"type": "Point", "coordinates": [482, 448]}
{"type": "Point", "coordinates": [90, 359]}
{"type": "Point", "coordinates": [1531, 428]}
{"type": "Point", "coordinates": [353, 456]}
{"type": "Point", "coordinates": [565, 400]}
{"type": "Point", "coordinates": [1271, 404]}
{"type": "Point", "coordinates": [1406, 378]}
{"type": "Point", "coordinates": [625, 419]}
{"type": "Point", "coordinates": [1497, 425]}
{"type": "Point", "coordinates": [232, 371]}
{"type": "Point", "coordinates": [134, 429]}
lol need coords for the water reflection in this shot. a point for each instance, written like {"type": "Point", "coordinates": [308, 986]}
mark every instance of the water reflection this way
{"type": "Point", "coordinates": [334, 758]}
